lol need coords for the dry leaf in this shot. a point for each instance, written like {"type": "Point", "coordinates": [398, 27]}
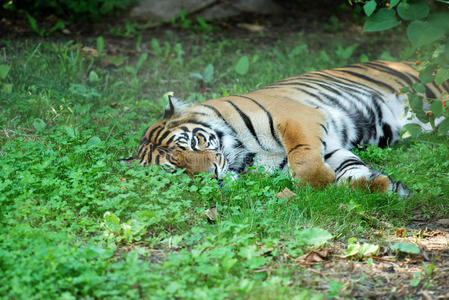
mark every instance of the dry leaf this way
{"type": "Point", "coordinates": [400, 232]}
{"type": "Point", "coordinates": [211, 214]}
{"type": "Point", "coordinates": [251, 27]}
{"type": "Point", "coordinates": [115, 61]}
{"type": "Point", "coordinates": [90, 51]}
{"type": "Point", "coordinates": [285, 194]}
{"type": "Point", "coordinates": [385, 258]}
{"type": "Point", "coordinates": [315, 256]}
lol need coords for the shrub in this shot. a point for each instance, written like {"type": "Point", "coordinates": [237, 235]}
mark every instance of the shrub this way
{"type": "Point", "coordinates": [79, 10]}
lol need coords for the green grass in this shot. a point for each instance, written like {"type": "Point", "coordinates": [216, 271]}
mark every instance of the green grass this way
{"type": "Point", "coordinates": [75, 223]}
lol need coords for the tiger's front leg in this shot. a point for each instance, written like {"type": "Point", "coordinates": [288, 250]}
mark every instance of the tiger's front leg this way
{"type": "Point", "coordinates": [350, 168]}
{"type": "Point", "coordinates": [304, 155]}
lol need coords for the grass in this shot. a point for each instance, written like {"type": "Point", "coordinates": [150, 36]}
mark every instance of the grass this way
{"type": "Point", "coordinates": [75, 223]}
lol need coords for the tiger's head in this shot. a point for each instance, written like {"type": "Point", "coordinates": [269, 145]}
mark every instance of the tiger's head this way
{"type": "Point", "coordinates": [181, 140]}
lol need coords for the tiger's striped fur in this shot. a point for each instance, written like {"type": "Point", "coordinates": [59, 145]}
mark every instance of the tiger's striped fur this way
{"type": "Point", "coordinates": [307, 124]}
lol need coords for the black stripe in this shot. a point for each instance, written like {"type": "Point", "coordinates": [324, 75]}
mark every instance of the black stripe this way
{"type": "Point", "coordinates": [386, 69]}
{"type": "Point", "coordinates": [387, 136]}
{"type": "Point", "coordinates": [329, 155]}
{"type": "Point", "coordinates": [199, 123]}
{"type": "Point", "coordinates": [248, 123]}
{"type": "Point", "coordinates": [343, 173]}
{"type": "Point", "coordinates": [163, 136]}
{"type": "Point", "coordinates": [349, 162]}
{"type": "Point", "coordinates": [142, 157]}
{"type": "Point", "coordinates": [249, 159]}
{"type": "Point", "coordinates": [193, 144]}
{"type": "Point", "coordinates": [170, 140]}
{"type": "Point", "coordinates": [150, 154]}
{"type": "Point", "coordinates": [197, 113]}
{"type": "Point", "coordinates": [324, 128]}
{"type": "Point", "coordinates": [217, 112]}
{"type": "Point", "coordinates": [196, 129]}
{"type": "Point", "coordinates": [445, 86]}
{"type": "Point", "coordinates": [156, 135]}
{"type": "Point", "coordinates": [369, 79]}
{"type": "Point", "coordinates": [429, 93]}
{"type": "Point", "coordinates": [157, 159]}
{"type": "Point", "coordinates": [437, 87]}
{"type": "Point", "coordinates": [283, 163]}
{"type": "Point", "coordinates": [344, 84]}
{"type": "Point", "coordinates": [150, 135]}
{"type": "Point", "coordinates": [306, 146]}
{"type": "Point", "coordinates": [127, 159]}
{"type": "Point", "coordinates": [270, 119]}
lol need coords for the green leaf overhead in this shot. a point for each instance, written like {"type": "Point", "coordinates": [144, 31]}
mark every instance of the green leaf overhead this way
{"type": "Point", "coordinates": [437, 108]}
{"type": "Point", "coordinates": [413, 10]}
{"type": "Point", "coordinates": [443, 128]}
{"type": "Point", "coordinates": [370, 7]}
{"type": "Point", "coordinates": [382, 20]}
{"type": "Point", "coordinates": [442, 76]}
{"type": "Point", "coordinates": [440, 20]}
{"type": "Point", "coordinates": [411, 129]}
{"type": "Point", "coordinates": [393, 3]}
{"type": "Point", "coordinates": [426, 75]}
{"type": "Point", "coordinates": [422, 33]}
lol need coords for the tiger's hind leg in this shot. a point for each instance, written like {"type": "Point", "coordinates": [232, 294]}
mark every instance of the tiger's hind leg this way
{"type": "Point", "coordinates": [350, 168]}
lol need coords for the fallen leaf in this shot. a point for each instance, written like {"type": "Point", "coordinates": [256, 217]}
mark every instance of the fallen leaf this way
{"type": "Point", "coordinates": [211, 214]}
{"type": "Point", "coordinates": [389, 258]}
{"type": "Point", "coordinates": [432, 233]}
{"type": "Point", "coordinates": [251, 27]}
{"type": "Point", "coordinates": [113, 104]}
{"type": "Point", "coordinates": [285, 194]}
{"type": "Point", "coordinates": [90, 51]}
{"type": "Point", "coordinates": [315, 256]}
{"type": "Point", "coordinates": [115, 61]}
{"type": "Point", "coordinates": [400, 232]}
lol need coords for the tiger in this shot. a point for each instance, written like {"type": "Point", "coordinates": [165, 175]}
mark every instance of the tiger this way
{"type": "Point", "coordinates": [306, 125]}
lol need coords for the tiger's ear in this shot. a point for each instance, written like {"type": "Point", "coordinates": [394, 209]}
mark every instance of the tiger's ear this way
{"type": "Point", "coordinates": [174, 107]}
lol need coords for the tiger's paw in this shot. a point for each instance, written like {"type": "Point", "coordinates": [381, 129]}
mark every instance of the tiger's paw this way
{"type": "Point", "coordinates": [317, 176]}
{"type": "Point", "coordinates": [382, 184]}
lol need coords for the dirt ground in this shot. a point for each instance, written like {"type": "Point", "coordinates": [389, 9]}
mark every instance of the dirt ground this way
{"type": "Point", "coordinates": [387, 275]}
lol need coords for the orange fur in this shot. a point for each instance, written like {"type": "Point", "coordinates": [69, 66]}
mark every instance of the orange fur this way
{"type": "Point", "coordinates": [379, 184]}
{"type": "Point", "coordinates": [304, 157]}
